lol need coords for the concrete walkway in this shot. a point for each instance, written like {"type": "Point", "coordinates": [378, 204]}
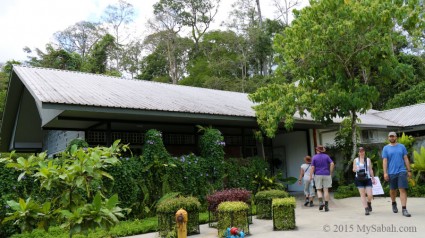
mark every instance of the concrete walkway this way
{"type": "Point", "coordinates": [345, 219]}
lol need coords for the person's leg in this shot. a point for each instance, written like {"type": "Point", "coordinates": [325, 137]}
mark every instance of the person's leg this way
{"type": "Point", "coordinates": [363, 199]}
{"type": "Point", "coordinates": [369, 194]}
{"type": "Point", "coordinates": [312, 194]}
{"type": "Point", "coordinates": [306, 192]}
{"type": "Point", "coordinates": [393, 191]}
{"type": "Point", "coordinates": [402, 186]}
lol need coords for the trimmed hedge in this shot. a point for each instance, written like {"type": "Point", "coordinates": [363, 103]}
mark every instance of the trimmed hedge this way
{"type": "Point", "coordinates": [283, 213]}
{"type": "Point", "coordinates": [263, 200]}
{"type": "Point", "coordinates": [233, 194]}
{"type": "Point", "coordinates": [232, 214]}
{"type": "Point", "coordinates": [166, 212]}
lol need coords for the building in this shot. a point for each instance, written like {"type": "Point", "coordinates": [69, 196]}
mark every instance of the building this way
{"type": "Point", "coordinates": [47, 108]}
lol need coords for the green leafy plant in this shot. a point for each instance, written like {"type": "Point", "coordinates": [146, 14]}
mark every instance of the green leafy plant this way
{"type": "Point", "coordinates": [419, 163]}
{"type": "Point", "coordinates": [70, 178]}
{"type": "Point", "coordinates": [263, 182]}
{"type": "Point", "coordinates": [407, 141]}
{"type": "Point", "coordinates": [29, 214]}
{"type": "Point", "coordinates": [100, 213]}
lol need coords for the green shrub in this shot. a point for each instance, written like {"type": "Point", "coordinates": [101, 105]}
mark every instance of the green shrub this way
{"type": "Point", "coordinates": [240, 171]}
{"type": "Point", "coordinates": [212, 144]}
{"type": "Point", "coordinates": [232, 214]}
{"type": "Point", "coordinates": [263, 200]}
{"type": "Point", "coordinates": [283, 213]}
{"type": "Point", "coordinates": [346, 191]}
{"type": "Point", "coordinates": [81, 143]}
{"type": "Point", "coordinates": [166, 212]}
{"type": "Point", "coordinates": [218, 197]}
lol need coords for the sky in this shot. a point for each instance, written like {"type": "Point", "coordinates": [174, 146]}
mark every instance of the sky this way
{"type": "Point", "coordinates": [32, 23]}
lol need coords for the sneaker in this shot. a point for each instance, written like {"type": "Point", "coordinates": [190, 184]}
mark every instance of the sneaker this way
{"type": "Point", "coordinates": [321, 206]}
{"type": "Point", "coordinates": [311, 203]}
{"type": "Point", "coordinates": [326, 208]}
{"type": "Point", "coordinates": [395, 209]}
{"type": "Point", "coordinates": [366, 211]}
{"type": "Point", "coordinates": [306, 202]}
{"type": "Point", "coordinates": [406, 213]}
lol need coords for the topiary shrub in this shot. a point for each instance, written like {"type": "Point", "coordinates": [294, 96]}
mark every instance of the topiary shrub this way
{"type": "Point", "coordinates": [232, 214]}
{"type": "Point", "coordinates": [233, 194]}
{"type": "Point", "coordinates": [166, 212]}
{"type": "Point", "coordinates": [212, 144]}
{"type": "Point", "coordinates": [263, 200]}
{"type": "Point", "coordinates": [283, 213]}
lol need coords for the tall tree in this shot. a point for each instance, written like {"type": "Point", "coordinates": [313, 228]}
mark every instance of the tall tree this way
{"type": "Point", "coordinates": [79, 37]}
{"type": "Point", "coordinates": [335, 50]}
{"type": "Point", "coordinates": [117, 18]}
{"type": "Point", "coordinates": [54, 58]}
{"type": "Point", "coordinates": [98, 58]}
{"type": "Point", "coordinates": [284, 8]}
{"type": "Point", "coordinates": [195, 14]}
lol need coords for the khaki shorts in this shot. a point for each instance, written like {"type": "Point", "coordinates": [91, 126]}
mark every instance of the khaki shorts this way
{"type": "Point", "coordinates": [323, 181]}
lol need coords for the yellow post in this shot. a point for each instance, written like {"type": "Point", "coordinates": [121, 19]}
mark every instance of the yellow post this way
{"type": "Point", "coordinates": [181, 221]}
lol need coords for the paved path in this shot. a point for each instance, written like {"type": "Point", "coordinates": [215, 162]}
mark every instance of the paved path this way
{"type": "Point", "coordinates": [345, 219]}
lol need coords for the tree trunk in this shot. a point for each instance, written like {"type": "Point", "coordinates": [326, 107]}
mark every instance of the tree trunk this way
{"type": "Point", "coordinates": [353, 139]}
{"type": "Point", "coordinates": [259, 13]}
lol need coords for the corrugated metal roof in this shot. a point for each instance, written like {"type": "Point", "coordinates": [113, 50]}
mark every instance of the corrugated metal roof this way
{"type": "Point", "coordinates": [76, 88]}
{"type": "Point", "coordinates": [406, 116]}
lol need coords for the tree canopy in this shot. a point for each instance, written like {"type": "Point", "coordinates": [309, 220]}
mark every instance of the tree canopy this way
{"type": "Point", "coordinates": [337, 53]}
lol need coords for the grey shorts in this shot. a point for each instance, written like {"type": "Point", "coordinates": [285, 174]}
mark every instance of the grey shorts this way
{"type": "Point", "coordinates": [323, 181]}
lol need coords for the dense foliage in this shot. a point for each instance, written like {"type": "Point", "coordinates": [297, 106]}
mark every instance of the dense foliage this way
{"type": "Point", "coordinates": [72, 196]}
{"type": "Point", "coordinates": [284, 213]}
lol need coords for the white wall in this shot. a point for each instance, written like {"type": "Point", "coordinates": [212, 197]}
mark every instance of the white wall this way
{"type": "Point", "coordinates": [55, 141]}
{"type": "Point", "coordinates": [294, 146]}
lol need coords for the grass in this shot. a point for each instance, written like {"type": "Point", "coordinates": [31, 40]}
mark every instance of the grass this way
{"type": "Point", "coordinates": [124, 228]}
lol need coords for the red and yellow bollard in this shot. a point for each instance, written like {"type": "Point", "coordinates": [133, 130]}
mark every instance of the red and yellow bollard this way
{"type": "Point", "coordinates": [181, 221]}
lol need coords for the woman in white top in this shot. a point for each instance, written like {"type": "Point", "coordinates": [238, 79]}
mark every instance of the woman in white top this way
{"type": "Point", "coordinates": [309, 189]}
{"type": "Point", "coordinates": [363, 168]}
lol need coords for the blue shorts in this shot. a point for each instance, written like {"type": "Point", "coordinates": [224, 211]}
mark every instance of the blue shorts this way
{"type": "Point", "coordinates": [363, 184]}
{"type": "Point", "coordinates": [398, 180]}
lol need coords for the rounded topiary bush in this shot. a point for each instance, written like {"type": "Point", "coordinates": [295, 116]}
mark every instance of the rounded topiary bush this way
{"type": "Point", "coordinates": [166, 212]}
{"type": "Point", "coordinates": [232, 214]}
{"type": "Point", "coordinates": [263, 200]}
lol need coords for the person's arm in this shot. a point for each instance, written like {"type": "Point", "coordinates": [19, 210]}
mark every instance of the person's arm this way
{"type": "Point", "coordinates": [372, 176]}
{"type": "Point", "coordinates": [301, 175]}
{"type": "Point", "coordinates": [385, 168]}
{"type": "Point", "coordinates": [332, 168]}
{"type": "Point", "coordinates": [407, 163]}
{"type": "Point", "coordinates": [312, 170]}
{"type": "Point", "coordinates": [354, 166]}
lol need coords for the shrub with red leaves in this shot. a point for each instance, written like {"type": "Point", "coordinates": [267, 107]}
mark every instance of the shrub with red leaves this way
{"type": "Point", "coordinates": [233, 194]}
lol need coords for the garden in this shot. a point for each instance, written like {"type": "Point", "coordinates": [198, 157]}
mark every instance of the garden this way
{"type": "Point", "coordinates": [109, 192]}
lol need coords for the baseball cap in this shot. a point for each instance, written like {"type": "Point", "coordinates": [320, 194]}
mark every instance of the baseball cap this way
{"type": "Point", "coordinates": [392, 133]}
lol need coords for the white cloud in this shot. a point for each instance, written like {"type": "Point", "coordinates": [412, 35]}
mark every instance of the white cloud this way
{"type": "Point", "coordinates": [32, 23]}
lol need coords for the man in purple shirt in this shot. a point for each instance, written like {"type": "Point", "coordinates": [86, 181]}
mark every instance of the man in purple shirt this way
{"type": "Point", "coordinates": [322, 167]}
